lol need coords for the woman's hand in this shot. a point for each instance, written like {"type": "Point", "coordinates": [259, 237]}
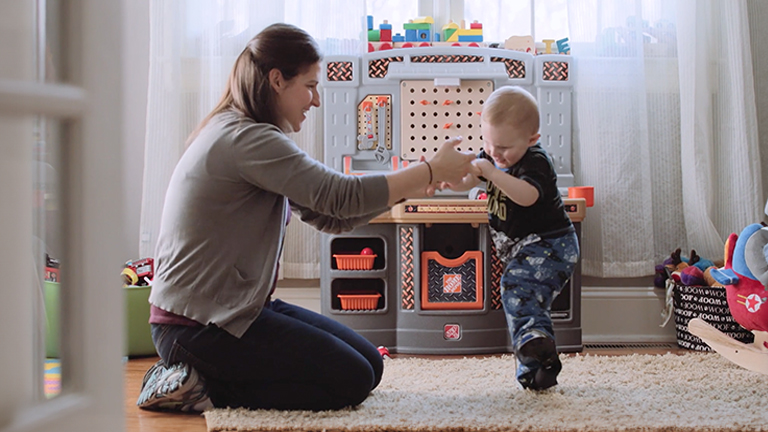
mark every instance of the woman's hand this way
{"type": "Point", "coordinates": [450, 165]}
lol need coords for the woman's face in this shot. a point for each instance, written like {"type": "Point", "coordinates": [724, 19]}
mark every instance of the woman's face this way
{"type": "Point", "coordinates": [296, 97]}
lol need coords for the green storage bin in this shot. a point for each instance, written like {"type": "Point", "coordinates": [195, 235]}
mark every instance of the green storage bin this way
{"type": "Point", "coordinates": [51, 297]}
{"type": "Point", "coordinates": [138, 339]}
{"type": "Point", "coordinates": [138, 333]}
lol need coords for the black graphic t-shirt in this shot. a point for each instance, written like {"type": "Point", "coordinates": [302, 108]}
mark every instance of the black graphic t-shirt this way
{"type": "Point", "coordinates": [546, 217]}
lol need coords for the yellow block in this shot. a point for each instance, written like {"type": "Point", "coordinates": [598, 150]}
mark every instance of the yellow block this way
{"type": "Point", "coordinates": [464, 32]}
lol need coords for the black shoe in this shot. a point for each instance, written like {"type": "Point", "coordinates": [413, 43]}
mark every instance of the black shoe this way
{"type": "Point", "coordinates": [540, 351]}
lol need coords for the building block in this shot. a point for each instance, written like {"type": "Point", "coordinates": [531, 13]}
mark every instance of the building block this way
{"type": "Point", "coordinates": [414, 44]}
{"type": "Point", "coordinates": [385, 31]}
{"type": "Point", "coordinates": [448, 30]}
{"type": "Point", "coordinates": [563, 47]}
{"type": "Point", "coordinates": [416, 26]}
{"type": "Point", "coordinates": [410, 35]}
{"type": "Point", "coordinates": [476, 25]}
{"type": "Point", "coordinates": [469, 38]}
{"type": "Point", "coordinates": [548, 45]}
{"type": "Point", "coordinates": [373, 35]}
{"type": "Point", "coordinates": [521, 43]}
{"type": "Point", "coordinates": [369, 20]}
{"type": "Point", "coordinates": [397, 37]}
{"type": "Point", "coordinates": [460, 44]}
{"type": "Point", "coordinates": [473, 34]}
{"type": "Point", "coordinates": [380, 46]}
{"type": "Point", "coordinates": [423, 35]}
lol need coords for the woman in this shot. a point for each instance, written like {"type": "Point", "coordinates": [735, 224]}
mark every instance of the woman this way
{"type": "Point", "coordinates": [222, 340]}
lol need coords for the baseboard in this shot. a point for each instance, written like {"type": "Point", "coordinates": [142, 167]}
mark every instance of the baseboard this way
{"type": "Point", "coordinates": [609, 315]}
{"type": "Point", "coordinates": [624, 315]}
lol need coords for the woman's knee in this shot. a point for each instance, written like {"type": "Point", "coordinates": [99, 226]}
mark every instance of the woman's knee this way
{"type": "Point", "coordinates": [357, 383]}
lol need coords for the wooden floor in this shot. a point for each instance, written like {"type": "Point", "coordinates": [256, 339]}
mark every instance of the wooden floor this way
{"type": "Point", "coordinates": [138, 420]}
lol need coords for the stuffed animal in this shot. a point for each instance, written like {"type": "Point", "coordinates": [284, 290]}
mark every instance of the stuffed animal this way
{"type": "Point", "coordinates": [745, 277]}
{"type": "Point", "coordinates": [692, 276]}
{"type": "Point", "coordinates": [709, 279]}
{"type": "Point", "coordinates": [683, 270]}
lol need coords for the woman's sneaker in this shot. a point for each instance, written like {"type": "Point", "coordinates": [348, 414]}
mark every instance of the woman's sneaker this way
{"type": "Point", "coordinates": [173, 388]}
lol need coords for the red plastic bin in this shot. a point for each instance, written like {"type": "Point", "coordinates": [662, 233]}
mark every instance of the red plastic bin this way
{"type": "Point", "coordinates": [359, 301]}
{"type": "Point", "coordinates": [354, 262]}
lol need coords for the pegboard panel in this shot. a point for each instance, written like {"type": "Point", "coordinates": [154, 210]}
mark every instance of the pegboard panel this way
{"type": "Point", "coordinates": [374, 122]}
{"type": "Point", "coordinates": [432, 114]}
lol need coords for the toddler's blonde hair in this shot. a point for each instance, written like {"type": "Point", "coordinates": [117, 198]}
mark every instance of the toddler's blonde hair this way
{"type": "Point", "coordinates": [514, 106]}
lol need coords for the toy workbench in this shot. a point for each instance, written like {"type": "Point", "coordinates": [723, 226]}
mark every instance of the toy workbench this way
{"type": "Point", "coordinates": [424, 278]}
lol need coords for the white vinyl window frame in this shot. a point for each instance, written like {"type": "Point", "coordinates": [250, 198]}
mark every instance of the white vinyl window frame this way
{"type": "Point", "coordinates": [89, 106]}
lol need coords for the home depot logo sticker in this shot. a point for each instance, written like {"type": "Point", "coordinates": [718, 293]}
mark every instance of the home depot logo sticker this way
{"type": "Point", "coordinates": [451, 283]}
{"type": "Point", "coordinates": [452, 332]}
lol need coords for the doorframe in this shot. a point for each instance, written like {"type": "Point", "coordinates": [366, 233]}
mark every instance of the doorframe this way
{"type": "Point", "coordinates": [92, 215]}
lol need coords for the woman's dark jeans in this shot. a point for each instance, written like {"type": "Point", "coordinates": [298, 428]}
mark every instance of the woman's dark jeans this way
{"type": "Point", "coordinates": [290, 358]}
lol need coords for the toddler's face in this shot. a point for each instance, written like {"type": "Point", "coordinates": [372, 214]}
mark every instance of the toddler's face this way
{"type": "Point", "coordinates": [505, 143]}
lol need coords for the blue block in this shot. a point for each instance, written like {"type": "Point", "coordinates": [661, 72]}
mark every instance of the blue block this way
{"type": "Point", "coordinates": [397, 37]}
{"type": "Point", "coordinates": [423, 35]}
{"type": "Point", "coordinates": [563, 47]}
{"type": "Point", "coordinates": [370, 22]}
{"type": "Point", "coordinates": [410, 36]}
{"type": "Point", "coordinates": [383, 26]}
{"type": "Point", "coordinates": [436, 37]}
{"type": "Point", "coordinates": [470, 38]}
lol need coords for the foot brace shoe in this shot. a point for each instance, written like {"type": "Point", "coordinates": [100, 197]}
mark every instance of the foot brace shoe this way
{"type": "Point", "coordinates": [173, 388]}
{"type": "Point", "coordinates": [540, 355]}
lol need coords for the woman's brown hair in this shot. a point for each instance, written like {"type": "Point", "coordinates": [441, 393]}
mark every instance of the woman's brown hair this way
{"type": "Point", "coordinates": [284, 47]}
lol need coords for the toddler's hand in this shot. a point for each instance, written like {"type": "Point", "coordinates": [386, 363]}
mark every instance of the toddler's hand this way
{"type": "Point", "coordinates": [483, 167]}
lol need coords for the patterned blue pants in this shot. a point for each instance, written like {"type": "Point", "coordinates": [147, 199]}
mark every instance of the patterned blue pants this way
{"type": "Point", "coordinates": [534, 275]}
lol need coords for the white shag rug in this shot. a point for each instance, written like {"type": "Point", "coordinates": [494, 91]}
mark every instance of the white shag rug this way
{"type": "Point", "coordinates": [694, 391]}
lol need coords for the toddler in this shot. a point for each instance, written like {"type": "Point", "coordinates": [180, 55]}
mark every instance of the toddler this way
{"type": "Point", "coordinates": [532, 233]}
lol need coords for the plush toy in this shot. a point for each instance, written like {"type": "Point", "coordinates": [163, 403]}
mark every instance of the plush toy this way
{"type": "Point", "coordinates": [692, 276]}
{"type": "Point", "coordinates": [709, 279]}
{"type": "Point", "coordinates": [701, 263]}
{"type": "Point", "coordinates": [660, 276]}
{"type": "Point", "coordinates": [745, 277]}
{"type": "Point", "coordinates": [683, 270]}
{"type": "Point", "coordinates": [676, 261]}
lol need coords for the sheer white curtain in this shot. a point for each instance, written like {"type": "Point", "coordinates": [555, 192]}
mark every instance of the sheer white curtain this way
{"type": "Point", "coordinates": [664, 114]}
{"type": "Point", "coordinates": [665, 129]}
{"type": "Point", "coordinates": [193, 44]}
